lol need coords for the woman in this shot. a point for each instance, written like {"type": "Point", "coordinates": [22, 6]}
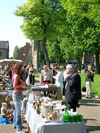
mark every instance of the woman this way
{"type": "Point", "coordinates": [46, 75]}
{"type": "Point", "coordinates": [59, 81]}
{"type": "Point", "coordinates": [54, 72]}
{"type": "Point", "coordinates": [88, 80]}
{"type": "Point", "coordinates": [17, 96]}
{"type": "Point", "coordinates": [31, 74]}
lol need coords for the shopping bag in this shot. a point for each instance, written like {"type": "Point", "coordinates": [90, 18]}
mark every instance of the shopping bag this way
{"type": "Point", "coordinates": [28, 80]}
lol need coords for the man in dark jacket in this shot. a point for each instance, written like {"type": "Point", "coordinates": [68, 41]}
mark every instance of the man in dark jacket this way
{"type": "Point", "coordinates": [72, 88]}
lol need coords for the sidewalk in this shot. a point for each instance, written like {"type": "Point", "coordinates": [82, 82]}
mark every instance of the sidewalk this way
{"type": "Point", "coordinates": [89, 108]}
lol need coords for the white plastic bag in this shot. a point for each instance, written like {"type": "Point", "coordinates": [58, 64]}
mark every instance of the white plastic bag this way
{"type": "Point", "coordinates": [28, 80]}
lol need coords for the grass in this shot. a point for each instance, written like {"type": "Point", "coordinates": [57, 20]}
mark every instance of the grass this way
{"type": "Point", "coordinates": [95, 84]}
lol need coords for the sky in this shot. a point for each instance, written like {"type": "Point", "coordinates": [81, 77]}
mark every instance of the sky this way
{"type": "Point", "coordinates": [10, 24]}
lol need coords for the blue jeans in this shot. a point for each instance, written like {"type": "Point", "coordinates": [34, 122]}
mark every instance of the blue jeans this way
{"type": "Point", "coordinates": [17, 112]}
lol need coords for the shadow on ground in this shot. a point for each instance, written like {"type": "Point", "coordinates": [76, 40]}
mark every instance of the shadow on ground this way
{"type": "Point", "coordinates": [92, 120]}
{"type": "Point", "coordinates": [90, 102]}
{"type": "Point", "coordinates": [93, 128]}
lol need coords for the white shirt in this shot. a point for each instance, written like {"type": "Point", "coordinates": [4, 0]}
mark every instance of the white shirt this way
{"type": "Point", "coordinates": [46, 75]}
{"type": "Point", "coordinates": [59, 80]}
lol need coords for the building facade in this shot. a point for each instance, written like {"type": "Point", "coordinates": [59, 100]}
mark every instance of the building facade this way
{"type": "Point", "coordinates": [24, 53]}
{"type": "Point", "coordinates": [4, 50]}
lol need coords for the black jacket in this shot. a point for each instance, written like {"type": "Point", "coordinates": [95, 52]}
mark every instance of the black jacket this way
{"type": "Point", "coordinates": [73, 88]}
{"type": "Point", "coordinates": [89, 76]}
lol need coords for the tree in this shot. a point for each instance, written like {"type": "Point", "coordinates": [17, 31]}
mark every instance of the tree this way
{"type": "Point", "coordinates": [79, 37]}
{"type": "Point", "coordinates": [16, 52]}
{"type": "Point", "coordinates": [54, 51]}
{"type": "Point", "coordinates": [89, 13]}
{"type": "Point", "coordinates": [41, 18]}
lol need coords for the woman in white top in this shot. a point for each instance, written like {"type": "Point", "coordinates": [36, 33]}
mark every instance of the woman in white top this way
{"type": "Point", "coordinates": [46, 75]}
{"type": "Point", "coordinates": [59, 81]}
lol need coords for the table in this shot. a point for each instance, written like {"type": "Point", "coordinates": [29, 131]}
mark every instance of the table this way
{"type": "Point", "coordinates": [53, 91]}
{"type": "Point", "coordinates": [36, 124]}
{"type": "Point", "coordinates": [44, 88]}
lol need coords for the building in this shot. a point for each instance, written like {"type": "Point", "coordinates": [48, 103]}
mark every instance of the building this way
{"type": "Point", "coordinates": [4, 50]}
{"type": "Point", "coordinates": [24, 53]}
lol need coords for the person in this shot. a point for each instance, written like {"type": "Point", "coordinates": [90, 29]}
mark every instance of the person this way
{"type": "Point", "coordinates": [72, 88]}
{"type": "Point", "coordinates": [89, 78]}
{"type": "Point", "coordinates": [46, 75]}
{"type": "Point", "coordinates": [59, 81]}
{"type": "Point", "coordinates": [24, 73]}
{"type": "Point", "coordinates": [46, 78]}
{"type": "Point", "coordinates": [54, 72]}
{"type": "Point", "coordinates": [12, 70]}
{"type": "Point", "coordinates": [31, 74]}
{"type": "Point", "coordinates": [18, 85]}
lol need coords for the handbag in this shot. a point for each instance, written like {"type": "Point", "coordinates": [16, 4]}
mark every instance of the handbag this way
{"type": "Point", "coordinates": [84, 89]}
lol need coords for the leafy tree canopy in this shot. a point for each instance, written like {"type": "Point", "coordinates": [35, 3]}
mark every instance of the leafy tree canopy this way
{"type": "Point", "coordinates": [40, 18]}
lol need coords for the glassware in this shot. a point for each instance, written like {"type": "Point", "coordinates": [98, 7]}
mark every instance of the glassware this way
{"type": "Point", "coordinates": [65, 115]}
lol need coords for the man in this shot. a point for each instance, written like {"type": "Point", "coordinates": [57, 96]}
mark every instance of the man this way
{"type": "Point", "coordinates": [72, 87]}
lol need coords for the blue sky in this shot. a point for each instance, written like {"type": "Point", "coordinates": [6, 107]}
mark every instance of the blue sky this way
{"type": "Point", "coordinates": [10, 24]}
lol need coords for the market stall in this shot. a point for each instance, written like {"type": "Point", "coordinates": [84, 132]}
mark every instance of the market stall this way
{"type": "Point", "coordinates": [9, 61]}
{"type": "Point", "coordinates": [39, 124]}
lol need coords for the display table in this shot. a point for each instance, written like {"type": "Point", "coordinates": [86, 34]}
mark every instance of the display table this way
{"type": "Point", "coordinates": [37, 125]}
{"type": "Point", "coordinates": [44, 88]}
{"type": "Point", "coordinates": [50, 90]}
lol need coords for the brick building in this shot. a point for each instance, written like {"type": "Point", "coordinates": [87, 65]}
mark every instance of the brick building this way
{"type": "Point", "coordinates": [24, 53]}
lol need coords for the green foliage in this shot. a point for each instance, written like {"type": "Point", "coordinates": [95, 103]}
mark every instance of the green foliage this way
{"type": "Point", "coordinates": [84, 8]}
{"type": "Point", "coordinates": [89, 8]}
{"type": "Point", "coordinates": [75, 22]}
{"type": "Point", "coordinates": [80, 36]}
{"type": "Point", "coordinates": [82, 29]}
{"type": "Point", "coordinates": [40, 18]}
{"type": "Point", "coordinates": [16, 52]}
{"type": "Point", "coordinates": [41, 21]}
{"type": "Point", "coordinates": [54, 51]}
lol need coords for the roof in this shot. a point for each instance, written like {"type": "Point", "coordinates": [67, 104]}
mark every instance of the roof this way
{"type": "Point", "coordinates": [4, 44]}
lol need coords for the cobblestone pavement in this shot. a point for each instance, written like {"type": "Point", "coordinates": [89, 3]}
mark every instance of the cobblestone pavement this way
{"type": "Point", "coordinates": [90, 109]}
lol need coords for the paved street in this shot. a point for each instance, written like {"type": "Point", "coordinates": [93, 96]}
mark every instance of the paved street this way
{"type": "Point", "coordinates": [90, 109]}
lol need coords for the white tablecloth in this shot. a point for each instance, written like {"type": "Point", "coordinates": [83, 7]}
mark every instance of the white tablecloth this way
{"type": "Point", "coordinates": [38, 126]}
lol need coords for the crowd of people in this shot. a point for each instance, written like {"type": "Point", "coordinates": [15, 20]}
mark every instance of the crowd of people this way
{"type": "Point", "coordinates": [68, 82]}
{"type": "Point", "coordinates": [17, 74]}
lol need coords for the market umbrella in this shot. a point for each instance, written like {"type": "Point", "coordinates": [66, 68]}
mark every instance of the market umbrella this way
{"type": "Point", "coordinates": [11, 61]}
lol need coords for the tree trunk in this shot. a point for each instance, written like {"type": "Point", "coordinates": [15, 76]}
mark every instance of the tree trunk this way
{"type": "Point", "coordinates": [38, 64]}
{"type": "Point", "coordinates": [35, 53]}
{"type": "Point", "coordinates": [44, 41]}
{"type": "Point", "coordinates": [79, 60]}
{"type": "Point", "coordinates": [97, 62]}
